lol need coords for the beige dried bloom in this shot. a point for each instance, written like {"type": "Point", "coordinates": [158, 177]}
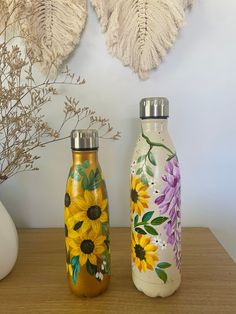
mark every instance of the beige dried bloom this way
{"type": "Point", "coordinates": [22, 124]}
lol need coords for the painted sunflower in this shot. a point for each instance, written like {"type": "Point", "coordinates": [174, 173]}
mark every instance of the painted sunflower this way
{"type": "Point", "coordinates": [69, 266]}
{"type": "Point", "coordinates": [144, 253]}
{"type": "Point", "coordinates": [69, 227]}
{"type": "Point", "coordinates": [91, 210]}
{"type": "Point", "coordinates": [138, 195]}
{"type": "Point", "coordinates": [88, 247]}
{"type": "Point", "coordinates": [71, 194]}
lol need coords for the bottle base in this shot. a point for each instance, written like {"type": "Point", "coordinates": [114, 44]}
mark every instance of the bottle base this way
{"type": "Point", "coordinates": [88, 294]}
{"type": "Point", "coordinates": [156, 290]}
{"type": "Point", "coordinates": [87, 285]}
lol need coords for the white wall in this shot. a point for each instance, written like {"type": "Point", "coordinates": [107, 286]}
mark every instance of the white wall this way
{"type": "Point", "coordinates": [198, 77]}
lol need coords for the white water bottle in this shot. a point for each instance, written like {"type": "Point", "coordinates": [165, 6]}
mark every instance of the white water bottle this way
{"type": "Point", "coordinates": [155, 204]}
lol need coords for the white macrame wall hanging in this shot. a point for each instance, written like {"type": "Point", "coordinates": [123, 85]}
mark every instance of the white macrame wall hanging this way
{"type": "Point", "coordinates": [51, 28]}
{"type": "Point", "coordinates": [140, 32]}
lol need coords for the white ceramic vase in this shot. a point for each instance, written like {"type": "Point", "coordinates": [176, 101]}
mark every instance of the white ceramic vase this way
{"type": "Point", "coordinates": [8, 242]}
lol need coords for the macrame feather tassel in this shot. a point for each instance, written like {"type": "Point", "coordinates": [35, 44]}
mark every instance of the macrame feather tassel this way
{"type": "Point", "coordinates": [102, 9]}
{"type": "Point", "coordinates": [140, 32]}
{"type": "Point", "coordinates": [52, 29]}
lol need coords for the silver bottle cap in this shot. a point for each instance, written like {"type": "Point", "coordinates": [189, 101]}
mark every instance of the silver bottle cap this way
{"type": "Point", "coordinates": [84, 139]}
{"type": "Point", "coordinates": [154, 107]}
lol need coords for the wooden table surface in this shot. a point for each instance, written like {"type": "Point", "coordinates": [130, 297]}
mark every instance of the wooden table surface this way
{"type": "Point", "coordinates": [38, 282]}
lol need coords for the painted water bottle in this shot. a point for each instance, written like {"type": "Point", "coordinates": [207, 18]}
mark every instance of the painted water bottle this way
{"type": "Point", "coordinates": [155, 204]}
{"type": "Point", "coordinates": [86, 218]}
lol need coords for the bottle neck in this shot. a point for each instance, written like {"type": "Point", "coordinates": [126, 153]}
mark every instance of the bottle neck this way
{"type": "Point", "coordinates": [80, 156]}
{"type": "Point", "coordinates": [155, 125]}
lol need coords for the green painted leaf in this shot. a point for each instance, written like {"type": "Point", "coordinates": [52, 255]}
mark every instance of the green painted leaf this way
{"type": "Point", "coordinates": [85, 183]}
{"type": "Point", "coordinates": [95, 179]}
{"type": "Point", "coordinates": [149, 171]}
{"type": "Point", "coordinates": [144, 180]}
{"type": "Point", "coordinates": [91, 176]}
{"type": "Point", "coordinates": [158, 221]}
{"type": "Point", "coordinates": [163, 265]}
{"type": "Point", "coordinates": [93, 186]}
{"type": "Point", "coordinates": [91, 269]}
{"type": "Point", "coordinates": [97, 172]}
{"type": "Point", "coordinates": [135, 220]}
{"type": "Point", "coordinates": [82, 172]}
{"type": "Point", "coordinates": [151, 230]}
{"type": "Point", "coordinates": [139, 230]}
{"type": "Point", "coordinates": [85, 164]}
{"type": "Point", "coordinates": [91, 181]}
{"type": "Point", "coordinates": [107, 242]}
{"type": "Point", "coordinates": [107, 258]}
{"type": "Point", "coordinates": [105, 228]}
{"type": "Point", "coordinates": [147, 216]}
{"type": "Point", "coordinates": [161, 274]}
{"type": "Point", "coordinates": [141, 158]}
{"type": "Point", "coordinates": [78, 167]}
{"type": "Point", "coordinates": [74, 260]}
{"type": "Point", "coordinates": [152, 158]}
{"type": "Point", "coordinates": [139, 171]}
{"type": "Point", "coordinates": [75, 268]}
{"type": "Point", "coordinates": [75, 176]}
{"type": "Point", "coordinates": [98, 178]}
{"type": "Point", "coordinates": [78, 225]}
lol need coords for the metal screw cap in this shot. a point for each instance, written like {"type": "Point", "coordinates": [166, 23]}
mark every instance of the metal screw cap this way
{"type": "Point", "coordinates": [154, 108]}
{"type": "Point", "coordinates": [84, 139]}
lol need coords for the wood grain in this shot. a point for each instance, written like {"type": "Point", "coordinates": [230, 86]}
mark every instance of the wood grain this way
{"type": "Point", "coordinates": [38, 282]}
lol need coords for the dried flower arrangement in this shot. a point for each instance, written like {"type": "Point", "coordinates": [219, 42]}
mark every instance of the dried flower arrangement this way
{"type": "Point", "coordinates": [22, 124]}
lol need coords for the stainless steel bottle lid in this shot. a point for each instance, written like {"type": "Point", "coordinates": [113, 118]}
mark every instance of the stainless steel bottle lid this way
{"type": "Point", "coordinates": [84, 139]}
{"type": "Point", "coordinates": [154, 107]}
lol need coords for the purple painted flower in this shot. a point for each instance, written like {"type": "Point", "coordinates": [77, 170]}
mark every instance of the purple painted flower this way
{"type": "Point", "coordinates": [169, 203]}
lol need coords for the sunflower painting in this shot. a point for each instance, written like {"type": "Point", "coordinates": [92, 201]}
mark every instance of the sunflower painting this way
{"type": "Point", "coordinates": [91, 210]}
{"type": "Point", "coordinates": [144, 253]}
{"type": "Point", "coordinates": [70, 195]}
{"type": "Point", "coordinates": [88, 246]}
{"type": "Point", "coordinates": [150, 220]}
{"type": "Point", "coordinates": [86, 223]}
{"type": "Point", "coordinates": [138, 195]}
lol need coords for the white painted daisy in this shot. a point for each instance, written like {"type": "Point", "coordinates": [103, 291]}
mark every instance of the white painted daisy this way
{"type": "Point", "coordinates": [156, 240]}
{"type": "Point", "coordinates": [132, 171]}
{"type": "Point", "coordinates": [99, 276]}
{"type": "Point", "coordinates": [163, 245]}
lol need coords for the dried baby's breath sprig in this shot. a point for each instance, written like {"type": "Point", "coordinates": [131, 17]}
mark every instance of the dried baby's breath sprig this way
{"type": "Point", "coordinates": [102, 123]}
{"type": "Point", "coordinates": [23, 126]}
{"type": "Point", "coordinates": [69, 75]}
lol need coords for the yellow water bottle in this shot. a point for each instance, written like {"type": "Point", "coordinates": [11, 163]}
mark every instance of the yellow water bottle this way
{"type": "Point", "coordinates": [86, 219]}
